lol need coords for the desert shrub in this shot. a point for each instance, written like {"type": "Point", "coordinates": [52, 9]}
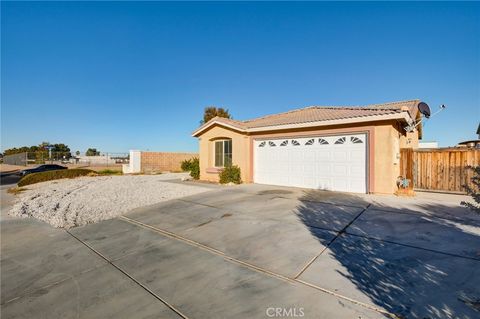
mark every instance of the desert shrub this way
{"type": "Point", "coordinates": [52, 175]}
{"type": "Point", "coordinates": [195, 168]}
{"type": "Point", "coordinates": [230, 174]}
{"type": "Point", "coordinates": [109, 172]}
{"type": "Point", "coordinates": [474, 190]}
{"type": "Point", "coordinates": [186, 165]}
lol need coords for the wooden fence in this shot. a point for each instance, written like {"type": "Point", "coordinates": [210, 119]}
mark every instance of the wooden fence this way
{"type": "Point", "coordinates": [439, 169]}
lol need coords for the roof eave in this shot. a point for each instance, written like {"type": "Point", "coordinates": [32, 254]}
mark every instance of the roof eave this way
{"type": "Point", "coordinates": [203, 128]}
{"type": "Point", "coordinates": [370, 118]}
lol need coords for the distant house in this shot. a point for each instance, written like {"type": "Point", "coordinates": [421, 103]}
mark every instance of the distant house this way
{"type": "Point", "coordinates": [471, 143]}
{"type": "Point", "coordinates": [350, 149]}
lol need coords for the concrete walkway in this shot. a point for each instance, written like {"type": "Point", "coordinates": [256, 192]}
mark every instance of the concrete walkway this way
{"type": "Point", "coordinates": [251, 251]}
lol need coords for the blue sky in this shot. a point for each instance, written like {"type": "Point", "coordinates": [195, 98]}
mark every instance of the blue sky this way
{"type": "Point", "coordinates": [120, 76]}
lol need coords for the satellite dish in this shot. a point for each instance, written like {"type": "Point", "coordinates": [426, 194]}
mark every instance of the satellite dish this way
{"type": "Point", "coordinates": [424, 109]}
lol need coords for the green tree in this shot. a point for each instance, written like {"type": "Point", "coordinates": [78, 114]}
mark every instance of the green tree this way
{"type": "Point", "coordinates": [211, 111]}
{"type": "Point", "coordinates": [92, 152]}
{"type": "Point", "coordinates": [77, 153]}
{"type": "Point", "coordinates": [61, 151]}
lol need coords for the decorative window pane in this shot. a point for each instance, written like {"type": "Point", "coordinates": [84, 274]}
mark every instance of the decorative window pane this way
{"type": "Point", "coordinates": [340, 140]}
{"type": "Point", "coordinates": [284, 143]}
{"type": "Point", "coordinates": [223, 153]}
{"type": "Point", "coordinates": [356, 140]}
{"type": "Point", "coordinates": [322, 141]}
{"type": "Point", "coordinates": [219, 153]}
{"type": "Point", "coordinates": [262, 144]}
{"type": "Point", "coordinates": [310, 142]}
{"type": "Point", "coordinates": [296, 143]}
{"type": "Point", "coordinates": [227, 152]}
{"type": "Point", "coordinates": [271, 143]}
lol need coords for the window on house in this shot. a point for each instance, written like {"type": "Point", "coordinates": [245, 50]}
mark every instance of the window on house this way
{"type": "Point", "coordinates": [284, 143]}
{"type": "Point", "coordinates": [295, 143]}
{"type": "Point", "coordinates": [262, 144]}
{"type": "Point", "coordinates": [340, 140]}
{"type": "Point", "coordinates": [223, 153]}
{"type": "Point", "coordinates": [271, 143]}
{"type": "Point", "coordinates": [310, 142]}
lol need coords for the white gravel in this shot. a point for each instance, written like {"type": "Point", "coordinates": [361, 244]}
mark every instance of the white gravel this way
{"type": "Point", "coordinates": [73, 202]}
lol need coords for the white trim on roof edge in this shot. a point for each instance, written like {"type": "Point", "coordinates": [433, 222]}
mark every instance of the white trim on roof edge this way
{"type": "Point", "coordinates": [395, 116]}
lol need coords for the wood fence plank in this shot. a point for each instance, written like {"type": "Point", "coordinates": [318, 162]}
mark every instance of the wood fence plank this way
{"type": "Point", "coordinates": [439, 170]}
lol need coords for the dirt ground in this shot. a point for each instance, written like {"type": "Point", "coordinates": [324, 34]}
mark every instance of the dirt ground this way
{"type": "Point", "coordinates": [10, 168]}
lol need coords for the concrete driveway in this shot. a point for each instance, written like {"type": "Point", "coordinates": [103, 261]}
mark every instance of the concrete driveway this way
{"type": "Point", "coordinates": [251, 251]}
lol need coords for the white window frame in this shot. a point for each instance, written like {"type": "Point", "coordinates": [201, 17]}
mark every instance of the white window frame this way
{"type": "Point", "coordinates": [223, 152]}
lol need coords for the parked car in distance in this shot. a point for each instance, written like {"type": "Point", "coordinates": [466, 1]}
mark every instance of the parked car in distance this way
{"type": "Point", "coordinates": [42, 168]}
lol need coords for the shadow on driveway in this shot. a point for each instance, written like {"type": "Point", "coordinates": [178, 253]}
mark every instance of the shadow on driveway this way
{"type": "Point", "coordinates": [411, 264]}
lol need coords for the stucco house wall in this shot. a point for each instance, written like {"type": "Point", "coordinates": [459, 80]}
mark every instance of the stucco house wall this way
{"type": "Point", "coordinates": [240, 153]}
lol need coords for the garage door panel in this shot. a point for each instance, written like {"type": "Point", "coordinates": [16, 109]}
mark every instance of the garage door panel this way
{"type": "Point", "coordinates": [324, 169]}
{"type": "Point", "coordinates": [340, 155]}
{"type": "Point", "coordinates": [356, 184]}
{"type": "Point", "coordinates": [323, 154]}
{"type": "Point", "coordinates": [357, 154]}
{"type": "Point", "coordinates": [309, 155]}
{"type": "Point", "coordinates": [340, 185]}
{"type": "Point", "coordinates": [340, 170]}
{"type": "Point", "coordinates": [357, 171]}
{"type": "Point", "coordinates": [317, 162]}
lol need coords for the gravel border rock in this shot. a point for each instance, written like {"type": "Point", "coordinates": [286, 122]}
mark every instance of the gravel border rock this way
{"type": "Point", "coordinates": [74, 202]}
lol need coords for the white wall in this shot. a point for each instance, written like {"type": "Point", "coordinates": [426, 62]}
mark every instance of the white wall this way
{"type": "Point", "coordinates": [427, 144]}
{"type": "Point", "coordinates": [134, 166]}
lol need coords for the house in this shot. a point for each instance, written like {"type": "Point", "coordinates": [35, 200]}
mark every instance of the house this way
{"type": "Point", "coordinates": [471, 143]}
{"type": "Point", "coordinates": [350, 149]}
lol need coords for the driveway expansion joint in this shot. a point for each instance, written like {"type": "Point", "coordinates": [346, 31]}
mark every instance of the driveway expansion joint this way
{"type": "Point", "coordinates": [339, 233]}
{"type": "Point", "coordinates": [178, 312]}
{"type": "Point", "coordinates": [217, 252]}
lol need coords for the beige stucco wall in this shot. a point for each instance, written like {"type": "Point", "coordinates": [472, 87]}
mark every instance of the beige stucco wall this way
{"type": "Point", "coordinates": [240, 152]}
{"type": "Point", "coordinates": [387, 164]}
{"type": "Point", "coordinates": [389, 139]}
{"type": "Point", "coordinates": [386, 140]}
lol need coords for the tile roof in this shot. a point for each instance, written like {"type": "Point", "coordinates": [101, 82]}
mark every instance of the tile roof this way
{"type": "Point", "coordinates": [319, 113]}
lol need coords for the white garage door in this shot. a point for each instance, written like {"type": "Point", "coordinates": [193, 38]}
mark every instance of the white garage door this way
{"type": "Point", "coordinates": [321, 162]}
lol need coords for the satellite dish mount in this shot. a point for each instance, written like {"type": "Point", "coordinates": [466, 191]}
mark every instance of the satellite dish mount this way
{"type": "Point", "coordinates": [424, 109]}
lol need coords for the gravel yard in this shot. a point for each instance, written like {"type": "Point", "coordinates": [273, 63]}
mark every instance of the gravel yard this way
{"type": "Point", "coordinates": [74, 202]}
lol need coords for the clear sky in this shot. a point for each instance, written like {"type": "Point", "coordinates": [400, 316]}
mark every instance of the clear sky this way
{"type": "Point", "coordinates": [129, 75]}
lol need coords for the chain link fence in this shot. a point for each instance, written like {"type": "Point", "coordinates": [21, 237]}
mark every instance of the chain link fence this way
{"type": "Point", "coordinates": [105, 160]}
